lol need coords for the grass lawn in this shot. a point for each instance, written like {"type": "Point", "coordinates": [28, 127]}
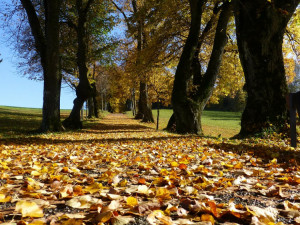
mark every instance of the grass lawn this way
{"type": "Point", "coordinates": [21, 121]}
{"type": "Point", "coordinates": [215, 123]}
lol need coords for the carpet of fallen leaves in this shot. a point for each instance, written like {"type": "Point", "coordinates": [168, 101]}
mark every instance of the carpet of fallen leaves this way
{"type": "Point", "coordinates": [122, 172]}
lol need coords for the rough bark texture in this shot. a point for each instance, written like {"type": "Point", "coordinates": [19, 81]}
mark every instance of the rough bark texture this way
{"type": "Point", "coordinates": [83, 90]}
{"type": "Point", "coordinates": [260, 27]}
{"type": "Point", "coordinates": [184, 110]}
{"type": "Point", "coordinates": [47, 45]}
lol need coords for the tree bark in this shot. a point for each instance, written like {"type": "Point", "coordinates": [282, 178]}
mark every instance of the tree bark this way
{"type": "Point", "coordinates": [184, 110]}
{"type": "Point", "coordinates": [83, 90]}
{"type": "Point", "coordinates": [92, 103]}
{"type": "Point", "coordinates": [47, 45]}
{"type": "Point", "coordinates": [206, 83]}
{"type": "Point", "coordinates": [260, 26]}
{"type": "Point", "coordinates": [144, 109]}
{"type": "Point", "coordinates": [188, 106]}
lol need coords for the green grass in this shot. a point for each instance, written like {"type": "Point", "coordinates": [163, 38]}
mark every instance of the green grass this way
{"type": "Point", "coordinates": [15, 121]}
{"type": "Point", "coordinates": [214, 123]}
{"type": "Point", "coordinates": [21, 121]}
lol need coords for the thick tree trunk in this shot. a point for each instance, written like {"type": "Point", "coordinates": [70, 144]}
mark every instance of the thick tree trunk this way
{"type": "Point", "coordinates": [47, 46]}
{"type": "Point", "coordinates": [185, 112]}
{"type": "Point", "coordinates": [260, 27]}
{"type": "Point", "coordinates": [52, 76]}
{"type": "Point", "coordinates": [188, 107]}
{"type": "Point", "coordinates": [83, 90]}
{"type": "Point", "coordinates": [144, 109]}
{"type": "Point", "coordinates": [205, 84]}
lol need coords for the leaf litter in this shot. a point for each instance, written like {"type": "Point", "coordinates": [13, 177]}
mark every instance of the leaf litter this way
{"type": "Point", "coordinates": [122, 172]}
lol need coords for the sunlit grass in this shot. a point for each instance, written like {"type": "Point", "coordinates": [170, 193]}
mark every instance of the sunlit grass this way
{"type": "Point", "coordinates": [214, 123]}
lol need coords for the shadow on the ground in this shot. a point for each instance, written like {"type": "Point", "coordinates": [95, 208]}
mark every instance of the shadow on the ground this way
{"type": "Point", "coordinates": [103, 128]}
{"type": "Point", "coordinates": [266, 153]}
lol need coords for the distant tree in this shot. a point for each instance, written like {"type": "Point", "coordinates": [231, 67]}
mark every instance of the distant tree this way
{"type": "Point", "coordinates": [260, 27]}
{"type": "Point", "coordinates": [46, 39]}
{"type": "Point", "coordinates": [136, 25]}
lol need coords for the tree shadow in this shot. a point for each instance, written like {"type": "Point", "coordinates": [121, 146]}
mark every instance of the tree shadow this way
{"type": "Point", "coordinates": [266, 153]}
{"type": "Point", "coordinates": [40, 140]}
{"type": "Point", "coordinates": [103, 127]}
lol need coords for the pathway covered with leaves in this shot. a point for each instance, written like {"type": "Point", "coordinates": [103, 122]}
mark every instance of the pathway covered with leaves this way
{"type": "Point", "coordinates": [123, 172]}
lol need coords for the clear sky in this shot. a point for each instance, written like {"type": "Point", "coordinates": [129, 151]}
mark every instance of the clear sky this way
{"type": "Point", "coordinates": [16, 90]}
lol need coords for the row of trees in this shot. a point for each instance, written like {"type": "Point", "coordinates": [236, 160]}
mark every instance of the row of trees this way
{"type": "Point", "coordinates": [260, 27]}
{"type": "Point", "coordinates": [67, 38]}
{"type": "Point", "coordinates": [200, 41]}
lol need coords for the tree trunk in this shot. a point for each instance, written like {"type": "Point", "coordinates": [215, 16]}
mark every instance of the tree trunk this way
{"type": "Point", "coordinates": [260, 27]}
{"type": "Point", "coordinates": [144, 109]}
{"type": "Point", "coordinates": [48, 48]}
{"type": "Point", "coordinates": [188, 106]}
{"type": "Point", "coordinates": [184, 109]}
{"type": "Point", "coordinates": [133, 102]}
{"type": "Point", "coordinates": [96, 107]}
{"type": "Point", "coordinates": [83, 90]}
{"type": "Point", "coordinates": [92, 103]}
{"type": "Point", "coordinates": [205, 84]}
{"type": "Point", "coordinates": [91, 107]}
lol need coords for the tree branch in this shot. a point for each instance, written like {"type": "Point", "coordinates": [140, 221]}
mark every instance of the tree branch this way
{"type": "Point", "coordinates": [36, 28]}
{"type": "Point", "coordinates": [122, 12]}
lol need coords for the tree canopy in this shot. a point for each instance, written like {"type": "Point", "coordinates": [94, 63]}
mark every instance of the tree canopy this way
{"type": "Point", "coordinates": [139, 46]}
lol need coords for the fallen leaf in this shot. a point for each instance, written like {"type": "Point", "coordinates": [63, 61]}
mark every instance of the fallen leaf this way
{"type": "Point", "coordinates": [29, 209]}
{"type": "Point", "coordinates": [122, 220]}
{"type": "Point", "coordinates": [132, 201]}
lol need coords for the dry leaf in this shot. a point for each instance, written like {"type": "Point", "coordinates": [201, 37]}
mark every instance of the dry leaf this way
{"type": "Point", "coordinates": [122, 220]}
{"type": "Point", "coordinates": [29, 209]}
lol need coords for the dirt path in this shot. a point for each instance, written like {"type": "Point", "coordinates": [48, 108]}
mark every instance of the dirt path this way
{"type": "Point", "coordinates": [121, 127]}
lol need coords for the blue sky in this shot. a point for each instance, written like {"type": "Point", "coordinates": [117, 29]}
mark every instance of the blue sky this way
{"type": "Point", "coordinates": [16, 90]}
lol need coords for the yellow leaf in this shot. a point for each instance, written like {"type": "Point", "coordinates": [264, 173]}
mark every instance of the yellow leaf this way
{"type": "Point", "coordinates": [163, 193]}
{"type": "Point", "coordinates": [238, 166]}
{"type": "Point", "coordinates": [207, 217]}
{"type": "Point", "coordinates": [104, 217]}
{"type": "Point", "coordinates": [93, 188]}
{"type": "Point", "coordinates": [4, 198]}
{"type": "Point", "coordinates": [132, 201]}
{"type": "Point", "coordinates": [164, 172]}
{"type": "Point", "coordinates": [174, 164]}
{"type": "Point", "coordinates": [123, 183]}
{"type": "Point", "coordinates": [29, 209]}
{"type": "Point", "coordinates": [38, 222]}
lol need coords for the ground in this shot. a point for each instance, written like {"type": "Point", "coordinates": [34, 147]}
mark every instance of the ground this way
{"type": "Point", "coordinates": [120, 171]}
